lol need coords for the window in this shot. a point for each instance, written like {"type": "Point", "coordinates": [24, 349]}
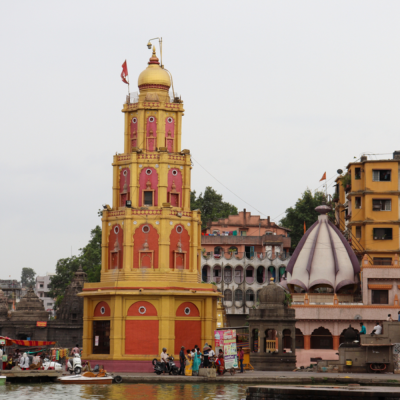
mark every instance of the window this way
{"type": "Point", "coordinates": [217, 272]}
{"type": "Point", "coordinates": [228, 274]}
{"type": "Point", "coordinates": [357, 202]}
{"type": "Point", "coordinates": [381, 175]}
{"type": "Point", "coordinates": [382, 261]}
{"type": "Point", "coordinates": [41, 286]}
{"type": "Point", "coordinates": [380, 297]}
{"type": "Point", "coordinates": [249, 273]}
{"type": "Point", "coordinates": [249, 295]}
{"type": "Point", "coordinates": [228, 295]}
{"type": "Point", "coordinates": [243, 233]}
{"type": "Point", "coordinates": [382, 205]}
{"type": "Point", "coordinates": [218, 250]}
{"type": "Point", "coordinates": [215, 231]}
{"type": "Point", "coordinates": [358, 232]}
{"type": "Point", "coordinates": [357, 174]}
{"type": "Point", "coordinates": [238, 295]}
{"type": "Point", "coordinates": [148, 198]}
{"type": "Point", "coordinates": [383, 234]}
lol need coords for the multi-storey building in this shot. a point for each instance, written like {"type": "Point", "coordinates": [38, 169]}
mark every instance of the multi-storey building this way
{"type": "Point", "coordinates": [240, 254]}
{"type": "Point", "coordinates": [245, 234]}
{"type": "Point", "coordinates": [42, 288]}
{"type": "Point", "coordinates": [367, 207]}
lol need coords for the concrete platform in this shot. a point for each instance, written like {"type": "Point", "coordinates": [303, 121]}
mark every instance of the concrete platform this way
{"type": "Point", "coordinates": [31, 376]}
{"type": "Point", "coordinates": [326, 392]}
{"type": "Point", "coordinates": [269, 377]}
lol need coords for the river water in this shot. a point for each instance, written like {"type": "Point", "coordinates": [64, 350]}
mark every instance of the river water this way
{"type": "Point", "coordinates": [136, 391]}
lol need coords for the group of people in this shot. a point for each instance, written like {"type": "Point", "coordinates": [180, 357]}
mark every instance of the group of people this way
{"type": "Point", "coordinates": [191, 360]}
{"type": "Point", "coordinates": [377, 330]}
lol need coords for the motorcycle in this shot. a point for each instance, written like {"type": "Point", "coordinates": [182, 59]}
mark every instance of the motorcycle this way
{"type": "Point", "coordinates": [75, 366]}
{"type": "Point", "coordinates": [171, 367]}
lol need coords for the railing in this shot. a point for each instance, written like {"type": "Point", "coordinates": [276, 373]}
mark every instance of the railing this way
{"type": "Point", "coordinates": [323, 298]}
{"type": "Point", "coordinates": [270, 345]}
{"type": "Point", "coordinates": [133, 98]}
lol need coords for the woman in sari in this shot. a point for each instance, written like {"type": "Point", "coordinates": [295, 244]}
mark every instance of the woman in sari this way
{"type": "Point", "coordinates": [189, 364]}
{"type": "Point", "coordinates": [220, 363]}
{"type": "Point", "coordinates": [196, 362]}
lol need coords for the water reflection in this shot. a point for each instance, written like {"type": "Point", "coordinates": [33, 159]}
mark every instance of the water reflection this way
{"type": "Point", "coordinates": [53, 391]}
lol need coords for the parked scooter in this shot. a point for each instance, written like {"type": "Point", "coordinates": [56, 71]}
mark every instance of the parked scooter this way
{"type": "Point", "coordinates": [75, 366]}
{"type": "Point", "coordinates": [171, 367]}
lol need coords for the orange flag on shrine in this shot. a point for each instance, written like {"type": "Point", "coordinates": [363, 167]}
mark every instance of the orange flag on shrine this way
{"type": "Point", "coordinates": [305, 228]}
{"type": "Point", "coordinates": [124, 73]}
{"type": "Point", "coordinates": [323, 177]}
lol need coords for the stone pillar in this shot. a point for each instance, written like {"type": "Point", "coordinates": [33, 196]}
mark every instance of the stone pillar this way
{"type": "Point", "coordinates": [279, 336]}
{"type": "Point", "coordinates": [293, 336]}
{"type": "Point", "coordinates": [261, 341]}
{"type": "Point", "coordinates": [336, 342]}
{"type": "Point", "coordinates": [307, 342]}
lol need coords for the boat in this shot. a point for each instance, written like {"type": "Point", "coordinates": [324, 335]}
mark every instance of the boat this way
{"type": "Point", "coordinates": [2, 380]}
{"type": "Point", "coordinates": [87, 378]}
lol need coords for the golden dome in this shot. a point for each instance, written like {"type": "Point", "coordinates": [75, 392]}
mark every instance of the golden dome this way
{"type": "Point", "coordinates": [154, 76]}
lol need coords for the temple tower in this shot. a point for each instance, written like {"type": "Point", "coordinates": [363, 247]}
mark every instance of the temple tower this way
{"type": "Point", "coordinates": [150, 295]}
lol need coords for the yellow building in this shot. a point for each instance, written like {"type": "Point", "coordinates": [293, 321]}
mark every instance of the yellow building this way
{"type": "Point", "coordinates": [150, 295]}
{"type": "Point", "coordinates": [367, 205]}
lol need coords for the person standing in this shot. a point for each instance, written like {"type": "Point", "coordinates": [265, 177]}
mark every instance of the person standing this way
{"type": "Point", "coordinates": [206, 350]}
{"type": "Point", "coordinates": [398, 316]}
{"type": "Point", "coordinates": [211, 356]}
{"type": "Point", "coordinates": [389, 318]}
{"type": "Point", "coordinates": [363, 329]}
{"type": "Point", "coordinates": [196, 362]}
{"type": "Point", "coordinates": [241, 357]}
{"type": "Point", "coordinates": [189, 363]}
{"type": "Point", "coordinates": [164, 360]}
{"type": "Point", "coordinates": [182, 360]}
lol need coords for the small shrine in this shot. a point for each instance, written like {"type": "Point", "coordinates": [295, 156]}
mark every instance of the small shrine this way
{"type": "Point", "coordinates": [272, 331]}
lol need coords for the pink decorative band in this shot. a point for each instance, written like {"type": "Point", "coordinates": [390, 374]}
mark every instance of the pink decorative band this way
{"type": "Point", "coordinates": [152, 86]}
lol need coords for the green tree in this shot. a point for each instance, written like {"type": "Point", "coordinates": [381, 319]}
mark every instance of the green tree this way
{"type": "Point", "coordinates": [91, 256]}
{"type": "Point", "coordinates": [303, 211]}
{"type": "Point", "coordinates": [211, 205]}
{"type": "Point", "coordinates": [90, 260]}
{"type": "Point", "coordinates": [28, 277]}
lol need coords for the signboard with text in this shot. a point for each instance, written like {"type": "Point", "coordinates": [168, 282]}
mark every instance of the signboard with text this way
{"type": "Point", "coordinates": [41, 324]}
{"type": "Point", "coordinates": [226, 340]}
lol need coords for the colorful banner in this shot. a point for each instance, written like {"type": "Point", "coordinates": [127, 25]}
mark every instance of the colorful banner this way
{"type": "Point", "coordinates": [226, 339]}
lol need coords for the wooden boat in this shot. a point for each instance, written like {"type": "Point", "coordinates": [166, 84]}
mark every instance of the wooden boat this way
{"type": "Point", "coordinates": [2, 380]}
{"type": "Point", "coordinates": [87, 378]}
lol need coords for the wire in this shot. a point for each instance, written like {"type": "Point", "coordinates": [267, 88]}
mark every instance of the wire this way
{"type": "Point", "coordinates": [244, 201]}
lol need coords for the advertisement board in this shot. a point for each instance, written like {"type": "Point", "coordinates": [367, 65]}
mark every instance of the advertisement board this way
{"type": "Point", "coordinates": [41, 324]}
{"type": "Point", "coordinates": [226, 340]}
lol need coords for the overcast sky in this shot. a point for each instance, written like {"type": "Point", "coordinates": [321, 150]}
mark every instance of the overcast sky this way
{"type": "Point", "coordinates": [275, 92]}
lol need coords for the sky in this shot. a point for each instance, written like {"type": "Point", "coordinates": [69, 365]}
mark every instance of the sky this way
{"type": "Point", "coordinates": [275, 94]}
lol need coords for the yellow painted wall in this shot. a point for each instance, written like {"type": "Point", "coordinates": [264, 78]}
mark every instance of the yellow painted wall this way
{"type": "Point", "coordinates": [366, 217]}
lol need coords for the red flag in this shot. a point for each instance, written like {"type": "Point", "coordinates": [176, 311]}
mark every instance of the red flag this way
{"type": "Point", "coordinates": [305, 228]}
{"type": "Point", "coordinates": [323, 177]}
{"type": "Point", "coordinates": [124, 72]}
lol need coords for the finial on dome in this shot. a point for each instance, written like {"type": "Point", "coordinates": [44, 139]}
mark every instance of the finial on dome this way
{"type": "Point", "coordinates": [145, 245]}
{"type": "Point", "coordinates": [154, 58]}
{"type": "Point", "coordinates": [271, 280]}
{"type": "Point", "coordinates": [323, 209]}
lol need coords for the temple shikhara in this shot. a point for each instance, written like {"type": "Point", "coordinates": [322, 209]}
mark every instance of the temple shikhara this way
{"type": "Point", "coordinates": [150, 295]}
